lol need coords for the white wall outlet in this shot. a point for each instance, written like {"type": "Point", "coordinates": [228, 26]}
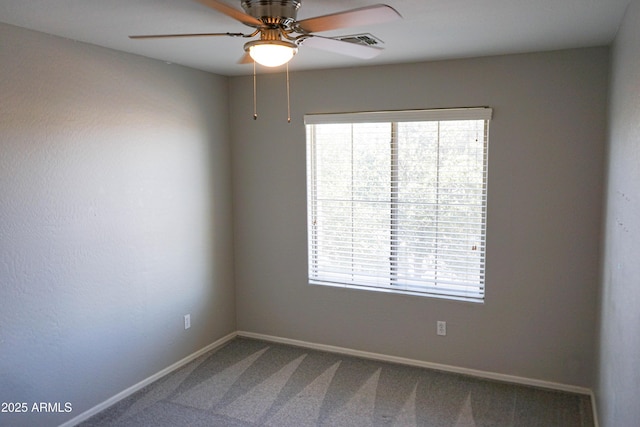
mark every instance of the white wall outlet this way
{"type": "Point", "coordinates": [187, 321]}
{"type": "Point", "coordinates": [441, 327]}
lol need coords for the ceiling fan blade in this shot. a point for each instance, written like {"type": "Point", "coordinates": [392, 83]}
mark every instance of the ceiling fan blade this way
{"type": "Point", "coordinates": [234, 13]}
{"type": "Point", "coordinates": [368, 15]}
{"type": "Point", "coordinates": [342, 47]}
{"type": "Point", "coordinates": [246, 59]}
{"type": "Point", "coordinates": [166, 36]}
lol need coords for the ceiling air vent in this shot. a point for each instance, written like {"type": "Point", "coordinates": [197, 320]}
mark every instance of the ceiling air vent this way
{"type": "Point", "coordinates": [363, 39]}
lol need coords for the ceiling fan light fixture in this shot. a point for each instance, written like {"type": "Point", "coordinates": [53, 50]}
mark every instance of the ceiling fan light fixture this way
{"type": "Point", "coordinates": [271, 53]}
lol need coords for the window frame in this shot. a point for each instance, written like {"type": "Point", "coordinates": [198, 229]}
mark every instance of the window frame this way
{"type": "Point", "coordinates": [470, 293]}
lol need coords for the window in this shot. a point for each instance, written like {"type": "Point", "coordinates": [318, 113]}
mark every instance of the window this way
{"type": "Point", "coordinates": [397, 201]}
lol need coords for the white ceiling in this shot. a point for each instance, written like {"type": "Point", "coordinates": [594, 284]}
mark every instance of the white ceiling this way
{"type": "Point", "coordinates": [430, 30]}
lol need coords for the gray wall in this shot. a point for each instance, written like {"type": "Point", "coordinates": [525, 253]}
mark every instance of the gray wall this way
{"type": "Point", "coordinates": [115, 220]}
{"type": "Point", "coordinates": [618, 385]}
{"type": "Point", "coordinates": [544, 214]}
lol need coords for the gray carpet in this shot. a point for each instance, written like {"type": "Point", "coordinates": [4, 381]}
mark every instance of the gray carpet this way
{"type": "Point", "coordinates": [254, 383]}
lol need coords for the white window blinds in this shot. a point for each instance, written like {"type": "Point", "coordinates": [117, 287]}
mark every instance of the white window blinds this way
{"type": "Point", "coordinates": [397, 200]}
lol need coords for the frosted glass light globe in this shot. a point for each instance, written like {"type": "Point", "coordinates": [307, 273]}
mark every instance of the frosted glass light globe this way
{"type": "Point", "coordinates": [272, 53]}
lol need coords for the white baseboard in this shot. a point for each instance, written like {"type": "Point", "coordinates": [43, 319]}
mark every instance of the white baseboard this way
{"type": "Point", "coordinates": [422, 364]}
{"type": "Point", "coordinates": [340, 350]}
{"type": "Point", "coordinates": [594, 408]}
{"type": "Point", "coordinates": [129, 391]}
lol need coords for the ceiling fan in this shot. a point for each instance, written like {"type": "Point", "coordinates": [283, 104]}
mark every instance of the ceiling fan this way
{"type": "Point", "coordinates": [274, 21]}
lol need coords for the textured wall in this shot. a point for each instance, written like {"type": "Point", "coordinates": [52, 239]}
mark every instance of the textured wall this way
{"type": "Point", "coordinates": [544, 212]}
{"type": "Point", "coordinates": [619, 342]}
{"type": "Point", "coordinates": [115, 220]}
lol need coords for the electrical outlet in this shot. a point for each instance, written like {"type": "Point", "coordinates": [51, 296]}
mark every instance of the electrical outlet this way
{"type": "Point", "coordinates": [187, 321]}
{"type": "Point", "coordinates": [441, 327]}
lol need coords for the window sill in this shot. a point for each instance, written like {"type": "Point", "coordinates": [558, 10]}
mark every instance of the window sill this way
{"type": "Point", "coordinates": [398, 291]}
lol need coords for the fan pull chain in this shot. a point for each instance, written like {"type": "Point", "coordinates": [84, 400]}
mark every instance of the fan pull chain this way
{"type": "Point", "coordinates": [255, 97]}
{"type": "Point", "coordinates": [288, 97]}
{"type": "Point", "coordinates": [255, 107]}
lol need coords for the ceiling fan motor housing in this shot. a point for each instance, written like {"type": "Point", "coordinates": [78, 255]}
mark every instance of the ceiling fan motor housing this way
{"type": "Point", "coordinates": [273, 12]}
